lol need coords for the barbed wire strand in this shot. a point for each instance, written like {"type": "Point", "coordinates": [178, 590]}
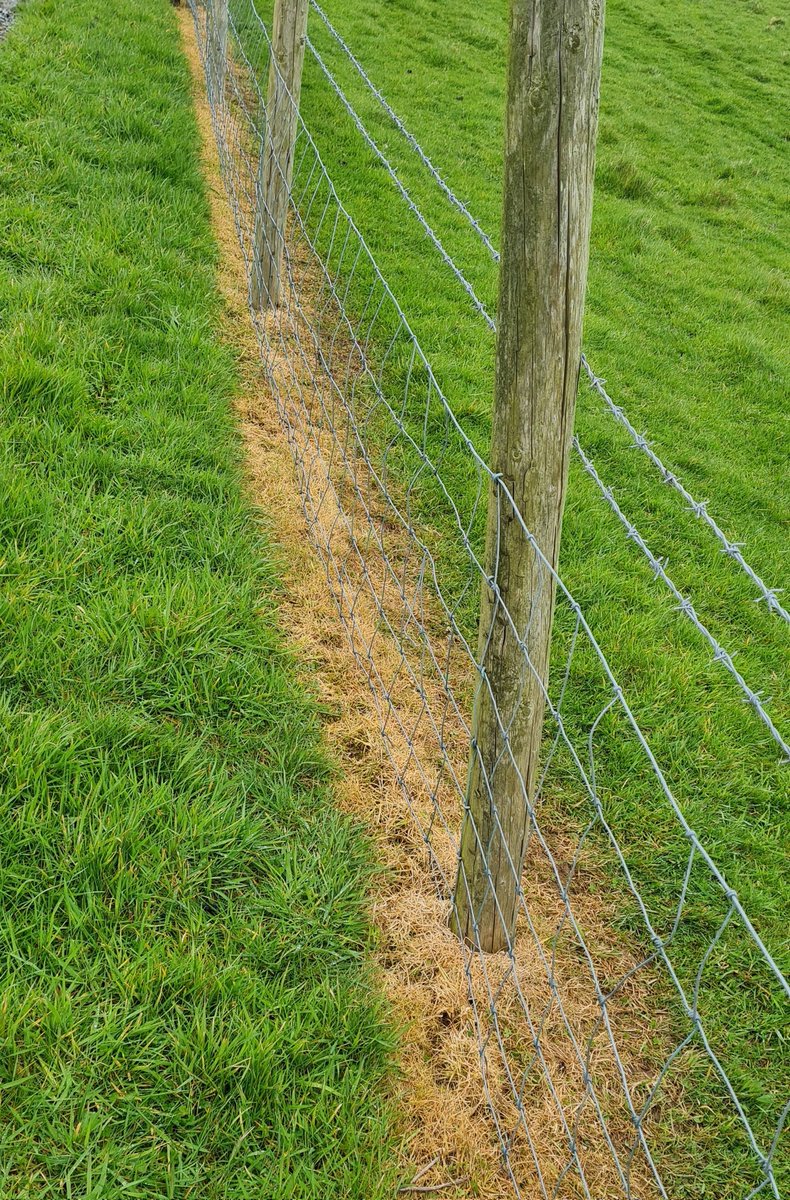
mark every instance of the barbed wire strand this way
{"type": "Point", "coordinates": [720, 655]}
{"type": "Point", "coordinates": [407, 134]}
{"type": "Point", "coordinates": [393, 174]}
{"type": "Point", "coordinates": [697, 507]}
{"type": "Point", "coordinates": [370, 431]}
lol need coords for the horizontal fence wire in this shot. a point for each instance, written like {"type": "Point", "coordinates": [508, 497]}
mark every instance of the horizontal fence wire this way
{"type": "Point", "coordinates": [697, 507]}
{"type": "Point", "coordinates": [599, 1032]}
{"type": "Point", "coordinates": [658, 566]}
{"type": "Point", "coordinates": [721, 655]}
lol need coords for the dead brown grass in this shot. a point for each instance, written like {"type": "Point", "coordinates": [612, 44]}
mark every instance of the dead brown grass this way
{"type": "Point", "coordinates": [444, 1119]}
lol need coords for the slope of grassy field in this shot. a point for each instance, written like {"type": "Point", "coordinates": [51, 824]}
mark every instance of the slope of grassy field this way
{"type": "Point", "coordinates": [687, 312]}
{"type": "Point", "coordinates": [184, 1004]}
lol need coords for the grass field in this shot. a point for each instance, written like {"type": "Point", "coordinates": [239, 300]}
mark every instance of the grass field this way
{"type": "Point", "coordinates": [687, 311]}
{"type": "Point", "coordinates": [184, 1004]}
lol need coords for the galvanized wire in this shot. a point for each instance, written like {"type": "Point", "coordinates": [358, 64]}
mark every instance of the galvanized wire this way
{"type": "Point", "coordinates": [598, 1029]}
{"type": "Point", "coordinates": [697, 507]}
{"type": "Point", "coordinates": [721, 655]}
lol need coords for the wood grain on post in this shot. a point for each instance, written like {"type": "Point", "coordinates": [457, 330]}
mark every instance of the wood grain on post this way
{"type": "Point", "coordinates": [550, 130]}
{"type": "Point", "coordinates": [289, 29]}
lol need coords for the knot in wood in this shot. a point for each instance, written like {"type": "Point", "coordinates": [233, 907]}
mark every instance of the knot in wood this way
{"type": "Point", "coordinates": [574, 38]}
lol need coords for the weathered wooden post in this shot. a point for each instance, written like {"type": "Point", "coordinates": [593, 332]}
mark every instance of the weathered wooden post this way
{"type": "Point", "coordinates": [289, 29]}
{"type": "Point", "coordinates": [220, 46]}
{"type": "Point", "coordinates": [550, 130]}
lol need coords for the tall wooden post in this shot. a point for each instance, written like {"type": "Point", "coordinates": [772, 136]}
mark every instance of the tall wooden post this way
{"type": "Point", "coordinates": [220, 46]}
{"type": "Point", "coordinates": [550, 130]}
{"type": "Point", "coordinates": [289, 29]}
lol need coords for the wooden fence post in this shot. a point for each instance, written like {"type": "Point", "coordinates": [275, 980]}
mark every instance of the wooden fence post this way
{"type": "Point", "coordinates": [289, 29]}
{"type": "Point", "coordinates": [220, 47]}
{"type": "Point", "coordinates": [550, 130]}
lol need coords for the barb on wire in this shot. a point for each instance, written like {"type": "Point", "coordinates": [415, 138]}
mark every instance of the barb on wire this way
{"type": "Point", "coordinates": [698, 507]}
{"type": "Point", "coordinates": [730, 548]}
{"type": "Point", "coordinates": [588, 1043]}
{"type": "Point", "coordinates": [720, 655]}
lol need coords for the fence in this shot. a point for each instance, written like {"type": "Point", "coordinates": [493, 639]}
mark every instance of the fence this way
{"type": "Point", "coordinates": [602, 1027]}
{"type": "Point", "coordinates": [699, 508]}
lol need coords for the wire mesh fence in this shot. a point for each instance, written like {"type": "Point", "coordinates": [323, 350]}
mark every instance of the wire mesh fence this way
{"type": "Point", "coordinates": [723, 657]}
{"type": "Point", "coordinates": [613, 1026]}
{"type": "Point", "coordinates": [699, 508]}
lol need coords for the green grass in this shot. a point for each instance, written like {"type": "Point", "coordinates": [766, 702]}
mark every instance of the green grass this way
{"type": "Point", "coordinates": [687, 320]}
{"type": "Point", "coordinates": [185, 1008]}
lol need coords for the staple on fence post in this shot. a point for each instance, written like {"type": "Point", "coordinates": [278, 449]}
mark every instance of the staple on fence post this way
{"type": "Point", "coordinates": [289, 30]}
{"type": "Point", "coordinates": [550, 129]}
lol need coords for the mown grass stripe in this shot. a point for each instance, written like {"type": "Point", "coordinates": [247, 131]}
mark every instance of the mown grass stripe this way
{"type": "Point", "coordinates": [186, 1008]}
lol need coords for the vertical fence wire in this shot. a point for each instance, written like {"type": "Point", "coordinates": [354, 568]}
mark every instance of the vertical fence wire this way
{"type": "Point", "coordinates": [639, 441]}
{"type": "Point", "coordinates": [605, 1064]}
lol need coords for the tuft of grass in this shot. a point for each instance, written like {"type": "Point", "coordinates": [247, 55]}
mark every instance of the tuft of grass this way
{"type": "Point", "coordinates": [686, 317]}
{"type": "Point", "coordinates": [185, 1007]}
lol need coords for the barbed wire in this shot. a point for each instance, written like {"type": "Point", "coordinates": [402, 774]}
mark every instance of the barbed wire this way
{"type": "Point", "coordinates": [698, 508]}
{"type": "Point", "coordinates": [406, 133]}
{"type": "Point", "coordinates": [684, 604]}
{"type": "Point", "coordinates": [564, 1015]}
{"type": "Point", "coordinates": [393, 174]}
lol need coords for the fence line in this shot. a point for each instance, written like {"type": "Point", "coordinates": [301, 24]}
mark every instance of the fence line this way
{"type": "Point", "coordinates": [382, 461]}
{"type": "Point", "coordinates": [698, 508]}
